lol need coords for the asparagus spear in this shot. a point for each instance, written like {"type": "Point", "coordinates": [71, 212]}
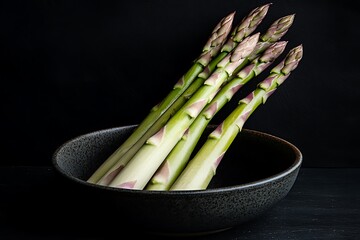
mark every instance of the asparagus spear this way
{"type": "Point", "coordinates": [179, 156]}
{"type": "Point", "coordinates": [201, 169]}
{"type": "Point", "coordinates": [211, 49]}
{"type": "Point", "coordinates": [244, 29]}
{"type": "Point", "coordinates": [138, 171]}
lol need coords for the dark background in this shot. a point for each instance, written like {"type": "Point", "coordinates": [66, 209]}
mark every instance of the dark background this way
{"type": "Point", "coordinates": [72, 67]}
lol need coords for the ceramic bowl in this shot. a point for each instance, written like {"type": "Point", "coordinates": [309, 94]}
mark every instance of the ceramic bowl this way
{"type": "Point", "coordinates": [258, 171]}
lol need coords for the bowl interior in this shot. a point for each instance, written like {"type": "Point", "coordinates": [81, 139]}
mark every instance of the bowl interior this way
{"type": "Point", "coordinates": [253, 156]}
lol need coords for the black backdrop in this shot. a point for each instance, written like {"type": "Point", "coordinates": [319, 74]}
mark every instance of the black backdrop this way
{"type": "Point", "coordinates": [71, 67]}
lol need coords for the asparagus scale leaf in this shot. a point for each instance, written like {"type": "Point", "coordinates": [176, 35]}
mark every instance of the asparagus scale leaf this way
{"type": "Point", "coordinates": [244, 29]}
{"type": "Point", "coordinates": [202, 167]}
{"type": "Point", "coordinates": [179, 156]}
{"type": "Point", "coordinates": [138, 171]}
{"type": "Point", "coordinates": [211, 49]}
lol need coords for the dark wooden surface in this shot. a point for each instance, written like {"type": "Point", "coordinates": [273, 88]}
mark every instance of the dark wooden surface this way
{"type": "Point", "coordinates": [323, 204]}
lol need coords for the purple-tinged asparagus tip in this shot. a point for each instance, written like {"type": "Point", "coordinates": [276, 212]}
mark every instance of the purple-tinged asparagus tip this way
{"type": "Point", "coordinates": [244, 48]}
{"type": "Point", "coordinates": [239, 54]}
{"type": "Point", "coordinates": [278, 29]}
{"type": "Point", "coordinates": [290, 62]}
{"type": "Point", "coordinates": [258, 14]}
{"type": "Point", "coordinates": [220, 32]}
{"type": "Point", "coordinates": [216, 40]}
{"type": "Point", "coordinates": [269, 56]}
{"type": "Point", "coordinates": [294, 56]}
{"type": "Point", "coordinates": [248, 24]}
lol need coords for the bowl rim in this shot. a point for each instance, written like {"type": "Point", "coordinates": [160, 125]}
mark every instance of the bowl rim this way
{"type": "Point", "coordinates": [253, 184]}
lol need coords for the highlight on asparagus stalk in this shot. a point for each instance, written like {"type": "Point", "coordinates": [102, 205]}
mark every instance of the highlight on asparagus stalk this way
{"type": "Point", "coordinates": [202, 167]}
{"type": "Point", "coordinates": [243, 30]}
{"type": "Point", "coordinates": [138, 171]}
{"type": "Point", "coordinates": [211, 49]}
{"type": "Point", "coordinates": [179, 156]}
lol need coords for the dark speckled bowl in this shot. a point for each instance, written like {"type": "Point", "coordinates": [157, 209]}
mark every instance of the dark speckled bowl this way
{"type": "Point", "coordinates": [257, 172]}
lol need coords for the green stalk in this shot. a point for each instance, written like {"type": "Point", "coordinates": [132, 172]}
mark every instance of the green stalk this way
{"type": "Point", "coordinates": [138, 171]}
{"type": "Point", "coordinates": [202, 167]}
{"type": "Point", "coordinates": [210, 50]}
{"type": "Point", "coordinates": [244, 29]}
{"type": "Point", "coordinates": [179, 156]}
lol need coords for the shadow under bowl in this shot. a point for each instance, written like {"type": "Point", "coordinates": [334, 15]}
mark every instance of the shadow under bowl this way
{"type": "Point", "coordinates": [257, 171]}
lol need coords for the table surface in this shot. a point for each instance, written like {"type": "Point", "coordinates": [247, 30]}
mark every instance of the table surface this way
{"type": "Point", "coordinates": [324, 203]}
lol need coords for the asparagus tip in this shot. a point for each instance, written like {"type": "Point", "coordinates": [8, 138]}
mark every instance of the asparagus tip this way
{"type": "Point", "coordinates": [290, 17]}
{"type": "Point", "coordinates": [267, 5]}
{"type": "Point", "coordinates": [229, 17]}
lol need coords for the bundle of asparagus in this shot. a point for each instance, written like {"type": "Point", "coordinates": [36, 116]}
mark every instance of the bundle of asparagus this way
{"type": "Point", "coordinates": [203, 66]}
{"type": "Point", "coordinates": [156, 155]}
{"type": "Point", "coordinates": [178, 157]}
{"type": "Point", "coordinates": [202, 167]}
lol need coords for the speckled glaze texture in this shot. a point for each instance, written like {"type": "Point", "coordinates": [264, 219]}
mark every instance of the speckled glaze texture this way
{"type": "Point", "coordinates": [245, 186]}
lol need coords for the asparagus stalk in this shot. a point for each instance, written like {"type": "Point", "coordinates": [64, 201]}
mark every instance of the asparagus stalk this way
{"type": "Point", "coordinates": [138, 171]}
{"type": "Point", "coordinates": [243, 30]}
{"type": "Point", "coordinates": [179, 156]}
{"type": "Point", "coordinates": [201, 169]}
{"type": "Point", "coordinates": [210, 50]}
